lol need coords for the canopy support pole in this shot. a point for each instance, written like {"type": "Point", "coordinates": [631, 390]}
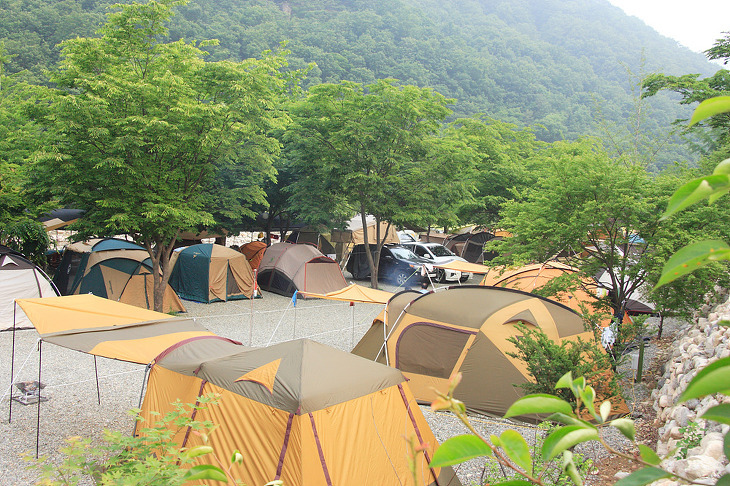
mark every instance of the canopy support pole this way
{"type": "Point", "coordinates": [38, 414]}
{"type": "Point", "coordinates": [352, 339]}
{"type": "Point", "coordinates": [141, 394]}
{"type": "Point", "coordinates": [12, 367]}
{"type": "Point", "coordinates": [96, 374]}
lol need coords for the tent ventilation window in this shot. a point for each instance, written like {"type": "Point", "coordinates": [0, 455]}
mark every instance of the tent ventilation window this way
{"type": "Point", "coordinates": [430, 349]}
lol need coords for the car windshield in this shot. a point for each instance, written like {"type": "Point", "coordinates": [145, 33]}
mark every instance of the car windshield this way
{"type": "Point", "coordinates": [400, 252]}
{"type": "Point", "coordinates": [439, 250]}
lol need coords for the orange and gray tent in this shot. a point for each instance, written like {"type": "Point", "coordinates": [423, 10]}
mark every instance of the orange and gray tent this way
{"type": "Point", "coordinates": [19, 279]}
{"type": "Point", "coordinates": [299, 411]}
{"type": "Point", "coordinates": [254, 252]}
{"type": "Point", "coordinates": [211, 273]}
{"type": "Point", "coordinates": [114, 269]}
{"type": "Point", "coordinates": [432, 336]}
{"type": "Point", "coordinates": [288, 267]}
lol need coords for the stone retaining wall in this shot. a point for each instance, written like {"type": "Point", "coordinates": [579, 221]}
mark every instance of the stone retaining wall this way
{"type": "Point", "coordinates": [692, 350]}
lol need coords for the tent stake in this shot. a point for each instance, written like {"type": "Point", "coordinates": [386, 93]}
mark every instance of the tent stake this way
{"type": "Point", "coordinates": [38, 414]}
{"type": "Point", "coordinates": [96, 374]}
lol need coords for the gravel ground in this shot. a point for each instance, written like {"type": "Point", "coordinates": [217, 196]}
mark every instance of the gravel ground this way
{"type": "Point", "coordinates": [73, 409]}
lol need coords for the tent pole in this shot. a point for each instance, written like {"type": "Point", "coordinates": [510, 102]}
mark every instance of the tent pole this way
{"type": "Point", "coordinates": [352, 339]}
{"type": "Point", "coordinates": [144, 382]}
{"type": "Point", "coordinates": [12, 368]}
{"type": "Point", "coordinates": [38, 414]}
{"type": "Point", "coordinates": [96, 374]}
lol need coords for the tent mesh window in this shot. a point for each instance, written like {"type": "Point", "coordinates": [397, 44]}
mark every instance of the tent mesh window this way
{"type": "Point", "coordinates": [430, 349]}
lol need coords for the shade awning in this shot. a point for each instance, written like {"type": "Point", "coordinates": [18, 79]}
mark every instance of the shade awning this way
{"type": "Point", "coordinates": [465, 267]}
{"type": "Point", "coordinates": [355, 293]}
{"type": "Point", "coordinates": [107, 328]}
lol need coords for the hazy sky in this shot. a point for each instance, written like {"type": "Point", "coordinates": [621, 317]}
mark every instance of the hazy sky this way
{"type": "Point", "coordinates": [694, 23]}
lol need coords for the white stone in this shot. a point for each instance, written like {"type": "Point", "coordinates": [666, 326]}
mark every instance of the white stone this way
{"type": "Point", "coordinates": [620, 475]}
{"type": "Point", "coordinates": [714, 449]}
{"type": "Point", "coordinates": [702, 466]}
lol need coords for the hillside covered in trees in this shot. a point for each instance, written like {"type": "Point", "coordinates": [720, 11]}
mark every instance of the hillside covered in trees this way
{"type": "Point", "coordinates": [555, 65]}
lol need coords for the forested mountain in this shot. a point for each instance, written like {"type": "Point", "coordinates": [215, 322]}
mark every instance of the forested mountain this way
{"type": "Point", "coordinates": [550, 64]}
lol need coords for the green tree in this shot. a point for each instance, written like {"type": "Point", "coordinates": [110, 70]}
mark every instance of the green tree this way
{"type": "Point", "coordinates": [370, 150]}
{"type": "Point", "coordinates": [587, 208]}
{"type": "Point", "coordinates": [146, 130]}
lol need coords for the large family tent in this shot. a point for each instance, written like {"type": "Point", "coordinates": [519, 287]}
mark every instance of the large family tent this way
{"type": "Point", "coordinates": [211, 273]}
{"type": "Point", "coordinates": [254, 253]}
{"type": "Point", "coordinates": [288, 267]}
{"type": "Point", "coordinates": [355, 235]}
{"type": "Point", "coordinates": [299, 411]}
{"type": "Point", "coordinates": [114, 269]}
{"type": "Point", "coordinates": [432, 336]}
{"type": "Point", "coordinates": [19, 279]}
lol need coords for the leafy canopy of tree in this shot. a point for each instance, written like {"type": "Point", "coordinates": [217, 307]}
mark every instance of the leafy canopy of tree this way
{"type": "Point", "coordinates": [149, 138]}
{"type": "Point", "coordinates": [371, 150]}
{"type": "Point", "coordinates": [541, 63]}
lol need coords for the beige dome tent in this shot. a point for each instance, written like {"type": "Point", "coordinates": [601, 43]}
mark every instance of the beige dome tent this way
{"type": "Point", "coordinates": [112, 268]}
{"type": "Point", "coordinates": [289, 267]}
{"type": "Point", "coordinates": [19, 279]}
{"type": "Point", "coordinates": [430, 337]}
{"type": "Point", "coordinates": [298, 411]}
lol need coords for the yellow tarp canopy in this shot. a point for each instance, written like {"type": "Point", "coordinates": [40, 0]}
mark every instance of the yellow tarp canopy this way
{"type": "Point", "coordinates": [355, 293]}
{"type": "Point", "coordinates": [465, 267]}
{"type": "Point", "coordinates": [107, 328]}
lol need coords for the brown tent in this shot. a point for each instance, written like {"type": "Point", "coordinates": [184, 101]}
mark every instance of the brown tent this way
{"type": "Point", "coordinates": [298, 411]}
{"type": "Point", "coordinates": [254, 252]}
{"type": "Point", "coordinates": [430, 337]}
{"type": "Point", "coordinates": [288, 267]}
{"type": "Point", "coordinates": [211, 273]}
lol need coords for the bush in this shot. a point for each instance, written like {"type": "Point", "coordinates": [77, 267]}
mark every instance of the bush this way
{"type": "Point", "coordinates": [547, 361]}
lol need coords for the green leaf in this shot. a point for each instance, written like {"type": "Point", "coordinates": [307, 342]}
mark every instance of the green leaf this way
{"type": "Point", "coordinates": [643, 476]}
{"type": "Point", "coordinates": [237, 457]}
{"type": "Point", "coordinates": [565, 381]}
{"type": "Point", "coordinates": [691, 257]}
{"type": "Point", "coordinates": [713, 378]}
{"type": "Point", "coordinates": [199, 451]}
{"type": "Point", "coordinates": [696, 190]}
{"type": "Point", "coordinates": [459, 449]}
{"type": "Point", "coordinates": [566, 419]}
{"type": "Point", "coordinates": [605, 410]}
{"type": "Point", "coordinates": [626, 427]}
{"type": "Point", "coordinates": [723, 481]}
{"type": "Point", "coordinates": [648, 455]}
{"type": "Point", "coordinates": [726, 445]}
{"type": "Point", "coordinates": [205, 471]}
{"type": "Point", "coordinates": [566, 437]}
{"type": "Point", "coordinates": [710, 107]}
{"type": "Point", "coordinates": [719, 413]}
{"type": "Point", "coordinates": [275, 482]}
{"type": "Point", "coordinates": [570, 468]}
{"type": "Point", "coordinates": [538, 403]}
{"type": "Point", "coordinates": [516, 448]}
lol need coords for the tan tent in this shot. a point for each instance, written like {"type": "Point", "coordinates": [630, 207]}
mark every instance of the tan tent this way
{"type": "Point", "coordinates": [211, 273]}
{"type": "Point", "coordinates": [355, 235]}
{"type": "Point", "coordinates": [430, 337]}
{"type": "Point", "coordinates": [288, 267]}
{"type": "Point", "coordinates": [114, 269]}
{"type": "Point", "coordinates": [254, 252]}
{"type": "Point", "coordinates": [299, 411]}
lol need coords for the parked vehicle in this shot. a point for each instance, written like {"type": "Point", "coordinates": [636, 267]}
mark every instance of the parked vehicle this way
{"type": "Point", "coordinates": [397, 264]}
{"type": "Point", "coordinates": [437, 254]}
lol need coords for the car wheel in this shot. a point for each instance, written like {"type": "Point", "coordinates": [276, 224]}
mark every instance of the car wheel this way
{"type": "Point", "coordinates": [463, 278]}
{"type": "Point", "coordinates": [441, 275]}
{"type": "Point", "coordinates": [401, 278]}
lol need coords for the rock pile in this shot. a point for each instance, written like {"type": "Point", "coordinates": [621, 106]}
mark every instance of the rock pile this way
{"type": "Point", "coordinates": [698, 443]}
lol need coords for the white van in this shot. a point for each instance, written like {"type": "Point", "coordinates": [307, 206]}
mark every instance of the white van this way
{"type": "Point", "coordinates": [438, 253]}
